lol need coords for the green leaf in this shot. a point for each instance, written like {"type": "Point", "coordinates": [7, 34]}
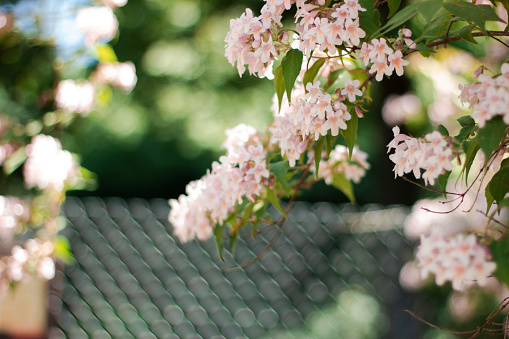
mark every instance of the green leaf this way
{"type": "Point", "coordinates": [428, 9]}
{"type": "Point", "coordinates": [233, 241]}
{"type": "Point", "coordinates": [465, 133]}
{"type": "Point", "coordinates": [280, 169]}
{"type": "Point", "coordinates": [271, 195]}
{"type": "Point", "coordinates": [260, 211]}
{"type": "Point", "coordinates": [466, 120]}
{"type": "Point", "coordinates": [478, 14]}
{"type": "Point", "coordinates": [62, 250]}
{"type": "Point", "coordinates": [471, 149]}
{"type": "Point", "coordinates": [350, 134]}
{"type": "Point", "coordinates": [291, 65]}
{"type": "Point", "coordinates": [442, 180]}
{"type": "Point", "coordinates": [368, 19]}
{"type": "Point", "coordinates": [16, 159]}
{"type": "Point", "coordinates": [218, 234]}
{"type": "Point", "coordinates": [489, 199]}
{"type": "Point", "coordinates": [279, 84]}
{"type": "Point", "coordinates": [423, 48]}
{"type": "Point", "coordinates": [393, 7]}
{"type": "Point", "coordinates": [311, 73]}
{"type": "Point", "coordinates": [399, 18]}
{"type": "Point", "coordinates": [490, 136]}
{"type": "Point", "coordinates": [105, 53]}
{"type": "Point", "coordinates": [318, 153]}
{"type": "Point", "coordinates": [333, 76]}
{"type": "Point", "coordinates": [500, 253]}
{"type": "Point", "coordinates": [466, 33]}
{"type": "Point", "coordinates": [442, 130]}
{"type": "Point", "coordinates": [330, 143]}
{"type": "Point", "coordinates": [499, 184]}
{"type": "Point", "coordinates": [344, 185]}
{"type": "Point", "coordinates": [430, 25]}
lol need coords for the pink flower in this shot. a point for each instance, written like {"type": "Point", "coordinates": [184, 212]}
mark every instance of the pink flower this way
{"type": "Point", "coordinates": [351, 89]}
{"type": "Point", "coordinates": [380, 67]}
{"type": "Point", "coordinates": [397, 62]}
{"type": "Point", "coordinates": [353, 32]}
{"type": "Point", "coordinates": [98, 23]}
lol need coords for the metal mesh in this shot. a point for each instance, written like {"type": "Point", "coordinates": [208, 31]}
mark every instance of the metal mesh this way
{"type": "Point", "coordinates": [132, 279]}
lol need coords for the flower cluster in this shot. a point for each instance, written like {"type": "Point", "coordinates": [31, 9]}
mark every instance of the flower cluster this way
{"type": "Point", "coordinates": [383, 59]}
{"type": "Point", "coordinates": [34, 257]}
{"type": "Point", "coordinates": [239, 174]}
{"type": "Point", "coordinates": [432, 154]}
{"type": "Point", "coordinates": [488, 97]}
{"type": "Point", "coordinates": [249, 41]}
{"type": "Point", "coordinates": [75, 97]}
{"type": "Point", "coordinates": [13, 213]}
{"type": "Point", "coordinates": [310, 115]}
{"type": "Point", "coordinates": [99, 23]}
{"type": "Point", "coordinates": [461, 260]}
{"type": "Point", "coordinates": [353, 169]}
{"type": "Point", "coordinates": [118, 74]}
{"type": "Point", "coordinates": [328, 30]}
{"type": "Point", "coordinates": [48, 166]}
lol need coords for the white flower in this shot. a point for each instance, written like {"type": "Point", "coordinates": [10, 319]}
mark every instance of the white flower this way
{"type": "Point", "coordinates": [98, 23]}
{"type": "Point", "coordinates": [47, 165]}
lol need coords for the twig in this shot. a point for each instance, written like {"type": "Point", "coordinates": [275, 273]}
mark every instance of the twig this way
{"type": "Point", "coordinates": [435, 326]}
{"type": "Point", "coordinates": [281, 223]}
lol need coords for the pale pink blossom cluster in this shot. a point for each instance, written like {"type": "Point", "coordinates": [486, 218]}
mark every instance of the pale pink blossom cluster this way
{"type": "Point", "coordinates": [326, 30]}
{"type": "Point", "coordinates": [47, 165]}
{"type": "Point", "coordinates": [488, 97]}
{"type": "Point", "coordinates": [99, 23]}
{"type": "Point", "coordinates": [75, 97]}
{"type": "Point", "coordinates": [33, 258]}
{"type": "Point", "coordinates": [353, 169]}
{"type": "Point", "coordinates": [433, 154]}
{"type": "Point", "coordinates": [239, 174]}
{"type": "Point", "coordinates": [250, 42]}
{"type": "Point", "coordinates": [460, 259]}
{"type": "Point", "coordinates": [383, 59]}
{"type": "Point", "coordinates": [118, 74]}
{"type": "Point", "coordinates": [14, 212]}
{"type": "Point", "coordinates": [310, 115]}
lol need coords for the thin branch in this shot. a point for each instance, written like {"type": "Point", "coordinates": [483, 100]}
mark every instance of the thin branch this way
{"type": "Point", "coordinates": [447, 33]}
{"type": "Point", "coordinates": [435, 326]}
{"type": "Point", "coordinates": [281, 223]}
{"type": "Point", "coordinates": [503, 43]}
{"type": "Point", "coordinates": [457, 37]}
{"type": "Point", "coordinates": [430, 189]}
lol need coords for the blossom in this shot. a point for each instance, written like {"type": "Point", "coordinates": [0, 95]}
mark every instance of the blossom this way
{"type": "Point", "coordinates": [461, 260]}
{"type": "Point", "coordinates": [380, 67]}
{"type": "Point", "coordinates": [75, 97]}
{"type": "Point", "coordinates": [118, 74]}
{"type": "Point", "coordinates": [14, 212]}
{"type": "Point", "coordinates": [353, 169]}
{"type": "Point", "coordinates": [98, 23]}
{"type": "Point", "coordinates": [432, 154]}
{"type": "Point", "coordinates": [488, 97]}
{"type": "Point", "coordinates": [47, 165]}
{"type": "Point", "coordinates": [351, 89]}
{"type": "Point", "coordinates": [397, 62]}
{"type": "Point", "coordinates": [211, 199]}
